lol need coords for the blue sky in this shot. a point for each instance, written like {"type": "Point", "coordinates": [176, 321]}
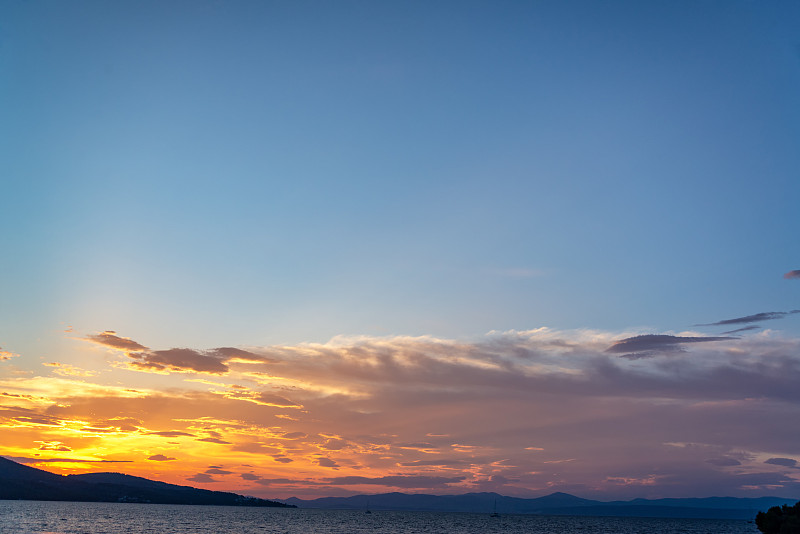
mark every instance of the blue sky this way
{"type": "Point", "coordinates": [214, 174]}
{"type": "Point", "coordinates": [288, 171]}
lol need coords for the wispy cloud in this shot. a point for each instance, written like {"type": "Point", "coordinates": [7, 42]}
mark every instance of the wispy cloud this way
{"type": "Point", "coordinates": [649, 344]}
{"type": "Point", "coordinates": [792, 275]}
{"type": "Point", "coordinates": [743, 329]}
{"type": "Point", "coordinates": [69, 370]}
{"type": "Point", "coordinates": [755, 318]}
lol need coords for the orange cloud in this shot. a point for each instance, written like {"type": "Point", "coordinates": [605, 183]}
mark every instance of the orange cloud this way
{"type": "Point", "coordinates": [5, 355]}
{"type": "Point", "coordinates": [69, 370]}
{"type": "Point", "coordinates": [425, 414]}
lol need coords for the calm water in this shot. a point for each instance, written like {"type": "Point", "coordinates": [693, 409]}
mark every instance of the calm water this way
{"type": "Point", "coordinates": [112, 518]}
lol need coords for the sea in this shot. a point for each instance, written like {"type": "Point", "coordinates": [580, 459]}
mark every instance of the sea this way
{"type": "Point", "coordinates": [45, 517]}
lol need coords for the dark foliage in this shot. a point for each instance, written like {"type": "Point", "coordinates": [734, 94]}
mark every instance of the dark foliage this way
{"type": "Point", "coordinates": [780, 520]}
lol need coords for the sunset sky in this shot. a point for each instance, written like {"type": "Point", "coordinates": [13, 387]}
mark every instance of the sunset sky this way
{"type": "Point", "coordinates": [325, 248]}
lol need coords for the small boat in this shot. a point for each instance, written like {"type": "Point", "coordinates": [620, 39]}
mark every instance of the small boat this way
{"type": "Point", "coordinates": [494, 511]}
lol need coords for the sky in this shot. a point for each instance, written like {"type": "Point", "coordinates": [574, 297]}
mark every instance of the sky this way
{"type": "Point", "coordinates": [325, 248]}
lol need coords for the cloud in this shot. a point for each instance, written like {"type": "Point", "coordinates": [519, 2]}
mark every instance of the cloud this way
{"type": "Point", "coordinates": [743, 329]}
{"type": "Point", "coordinates": [218, 471]}
{"type": "Point", "coordinates": [466, 415]}
{"type": "Point", "coordinates": [792, 275]}
{"type": "Point", "coordinates": [327, 462]}
{"type": "Point", "coordinates": [276, 400]}
{"type": "Point", "coordinates": [53, 446]}
{"type": "Point", "coordinates": [215, 440]}
{"type": "Point", "coordinates": [5, 355]}
{"type": "Point", "coordinates": [396, 481]}
{"type": "Point", "coordinates": [755, 318]}
{"type": "Point", "coordinates": [64, 369]}
{"type": "Point", "coordinates": [109, 338]}
{"type": "Point", "coordinates": [437, 463]}
{"type": "Point", "coordinates": [160, 458]}
{"type": "Point", "coordinates": [785, 462]}
{"type": "Point", "coordinates": [180, 360]}
{"type": "Point", "coordinates": [334, 444]}
{"type": "Point", "coordinates": [203, 478]}
{"type": "Point", "coordinates": [646, 345]}
{"type": "Point", "coordinates": [170, 434]}
{"type": "Point", "coordinates": [211, 361]}
{"type": "Point", "coordinates": [724, 462]}
{"type": "Point", "coordinates": [230, 354]}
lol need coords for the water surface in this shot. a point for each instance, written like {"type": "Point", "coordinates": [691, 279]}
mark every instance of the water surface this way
{"type": "Point", "coordinates": [28, 517]}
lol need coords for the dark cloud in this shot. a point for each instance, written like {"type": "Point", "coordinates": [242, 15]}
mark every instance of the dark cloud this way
{"type": "Point", "coordinates": [785, 462]}
{"type": "Point", "coordinates": [176, 359]}
{"type": "Point", "coordinates": [160, 458]}
{"type": "Point", "coordinates": [792, 275]}
{"type": "Point", "coordinates": [743, 329]}
{"type": "Point", "coordinates": [397, 481]}
{"type": "Point", "coordinates": [644, 345]}
{"type": "Point", "coordinates": [334, 444]}
{"type": "Point", "coordinates": [38, 420]}
{"type": "Point", "coordinates": [54, 447]}
{"type": "Point", "coordinates": [249, 476]}
{"type": "Point", "coordinates": [284, 460]}
{"type": "Point", "coordinates": [179, 360]}
{"type": "Point", "coordinates": [218, 471]}
{"type": "Point", "coordinates": [435, 463]}
{"type": "Point", "coordinates": [277, 400]}
{"type": "Point", "coordinates": [202, 477]}
{"type": "Point", "coordinates": [109, 338]}
{"type": "Point", "coordinates": [327, 462]}
{"type": "Point", "coordinates": [724, 462]}
{"type": "Point", "coordinates": [755, 318]}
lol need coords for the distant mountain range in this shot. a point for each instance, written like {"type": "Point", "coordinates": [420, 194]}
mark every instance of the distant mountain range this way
{"type": "Point", "coordinates": [554, 504]}
{"type": "Point", "coordinates": [19, 481]}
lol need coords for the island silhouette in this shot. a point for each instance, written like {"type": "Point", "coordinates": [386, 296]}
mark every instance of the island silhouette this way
{"type": "Point", "coordinates": [19, 481]}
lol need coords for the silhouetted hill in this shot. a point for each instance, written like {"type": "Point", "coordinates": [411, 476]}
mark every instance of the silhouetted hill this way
{"type": "Point", "coordinates": [22, 482]}
{"type": "Point", "coordinates": [553, 504]}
